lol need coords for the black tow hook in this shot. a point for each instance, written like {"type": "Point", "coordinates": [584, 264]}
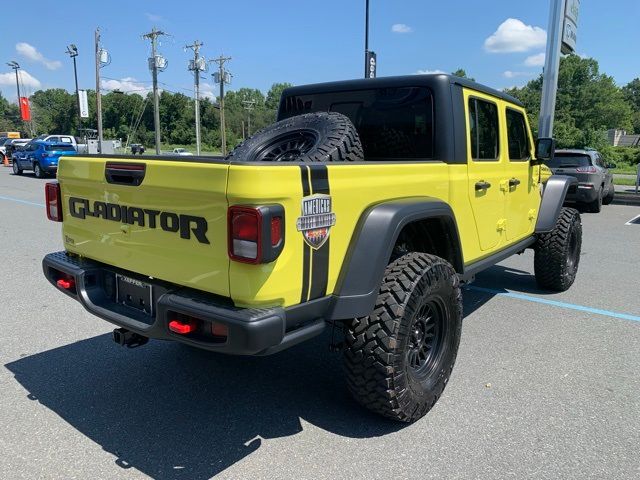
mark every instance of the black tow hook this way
{"type": "Point", "coordinates": [128, 339]}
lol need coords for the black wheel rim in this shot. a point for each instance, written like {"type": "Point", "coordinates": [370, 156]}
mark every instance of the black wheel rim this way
{"type": "Point", "coordinates": [573, 250]}
{"type": "Point", "coordinates": [288, 147]}
{"type": "Point", "coordinates": [15, 167]}
{"type": "Point", "coordinates": [426, 340]}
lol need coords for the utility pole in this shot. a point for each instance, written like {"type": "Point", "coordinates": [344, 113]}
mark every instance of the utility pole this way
{"type": "Point", "coordinates": [72, 51]}
{"type": "Point", "coordinates": [221, 77]}
{"type": "Point", "coordinates": [196, 65]}
{"type": "Point", "coordinates": [153, 63]}
{"type": "Point", "coordinates": [248, 106]}
{"type": "Point", "coordinates": [98, 97]}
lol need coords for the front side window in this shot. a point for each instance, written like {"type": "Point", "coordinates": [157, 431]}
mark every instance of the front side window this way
{"type": "Point", "coordinates": [483, 125]}
{"type": "Point", "coordinates": [393, 123]}
{"type": "Point", "coordinates": [517, 136]}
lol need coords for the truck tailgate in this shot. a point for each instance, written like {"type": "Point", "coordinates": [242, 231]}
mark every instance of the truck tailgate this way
{"type": "Point", "coordinates": [172, 226]}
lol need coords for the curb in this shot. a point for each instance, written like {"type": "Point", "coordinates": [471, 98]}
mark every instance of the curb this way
{"type": "Point", "coordinates": [626, 199]}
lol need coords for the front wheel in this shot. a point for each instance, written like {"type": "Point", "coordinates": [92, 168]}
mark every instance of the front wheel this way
{"type": "Point", "coordinates": [609, 197]}
{"type": "Point", "coordinates": [16, 169]}
{"type": "Point", "coordinates": [40, 173]}
{"type": "Point", "coordinates": [399, 358]}
{"type": "Point", "coordinates": [557, 253]}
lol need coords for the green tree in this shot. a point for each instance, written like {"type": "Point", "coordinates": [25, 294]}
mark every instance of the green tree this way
{"type": "Point", "coordinates": [462, 74]}
{"type": "Point", "coordinates": [273, 96]}
{"type": "Point", "coordinates": [631, 92]}
{"type": "Point", "coordinates": [588, 103]}
{"type": "Point", "coordinates": [9, 116]}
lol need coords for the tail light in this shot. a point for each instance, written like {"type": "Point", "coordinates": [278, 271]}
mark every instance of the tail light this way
{"type": "Point", "coordinates": [256, 234]}
{"type": "Point", "coordinates": [590, 169]}
{"type": "Point", "coordinates": [53, 201]}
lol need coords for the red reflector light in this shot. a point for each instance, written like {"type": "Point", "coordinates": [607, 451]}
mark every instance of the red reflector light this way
{"type": "Point", "coordinates": [125, 166]}
{"type": "Point", "coordinates": [219, 330]}
{"type": "Point", "coordinates": [53, 202]}
{"type": "Point", "coordinates": [66, 283]}
{"type": "Point", "coordinates": [245, 234]}
{"type": "Point", "coordinates": [276, 231]}
{"type": "Point", "coordinates": [182, 328]}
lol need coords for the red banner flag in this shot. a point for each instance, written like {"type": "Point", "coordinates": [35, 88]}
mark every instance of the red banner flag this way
{"type": "Point", "coordinates": [25, 111]}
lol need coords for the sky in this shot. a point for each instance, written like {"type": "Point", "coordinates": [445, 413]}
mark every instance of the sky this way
{"type": "Point", "coordinates": [499, 42]}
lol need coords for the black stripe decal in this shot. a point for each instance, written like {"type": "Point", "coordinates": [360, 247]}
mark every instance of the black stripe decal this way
{"type": "Point", "coordinates": [320, 261]}
{"type": "Point", "coordinates": [306, 249]}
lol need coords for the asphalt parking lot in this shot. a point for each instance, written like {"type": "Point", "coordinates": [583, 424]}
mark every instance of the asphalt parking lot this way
{"type": "Point", "coordinates": [545, 385]}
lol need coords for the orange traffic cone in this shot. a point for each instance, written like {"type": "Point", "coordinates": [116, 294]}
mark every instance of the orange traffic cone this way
{"type": "Point", "coordinates": [5, 161]}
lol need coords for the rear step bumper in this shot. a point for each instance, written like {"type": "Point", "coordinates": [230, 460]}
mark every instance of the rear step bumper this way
{"type": "Point", "coordinates": [251, 331]}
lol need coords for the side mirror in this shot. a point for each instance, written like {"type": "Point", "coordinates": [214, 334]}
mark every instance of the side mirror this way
{"type": "Point", "coordinates": [612, 165]}
{"type": "Point", "coordinates": [545, 149]}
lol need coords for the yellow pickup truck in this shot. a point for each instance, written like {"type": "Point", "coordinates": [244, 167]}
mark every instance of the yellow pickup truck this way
{"type": "Point", "coordinates": [365, 206]}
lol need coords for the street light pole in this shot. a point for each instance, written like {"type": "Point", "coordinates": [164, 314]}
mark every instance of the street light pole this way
{"type": "Point", "coordinates": [366, 40]}
{"type": "Point", "coordinates": [15, 66]}
{"type": "Point", "coordinates": [551, 67]}
{"type": "Point", "coordinates": [72, 51]}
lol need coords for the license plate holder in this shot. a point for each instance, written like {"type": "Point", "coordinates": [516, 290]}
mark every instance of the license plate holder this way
{"type": "Point", "coordinates": [134, 293]}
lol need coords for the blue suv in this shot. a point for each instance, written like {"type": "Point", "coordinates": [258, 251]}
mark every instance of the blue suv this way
{"type": "Point", "coordinates": [41, 157]}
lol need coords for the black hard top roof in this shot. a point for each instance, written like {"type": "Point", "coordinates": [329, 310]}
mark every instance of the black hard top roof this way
{"type": "Point", "coordinates": [428, 80]}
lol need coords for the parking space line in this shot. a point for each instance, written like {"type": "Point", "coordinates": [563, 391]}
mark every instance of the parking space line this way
{"type": "Point", "coordinates": [18, 200]}
{"type": "Point", "coordinates": [634, 221]}
{"type": "Point", "coordinates": [555, 303]}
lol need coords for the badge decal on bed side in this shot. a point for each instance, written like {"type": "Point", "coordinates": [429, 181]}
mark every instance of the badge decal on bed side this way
{"type": "Point", "coordinates": [316, 220]}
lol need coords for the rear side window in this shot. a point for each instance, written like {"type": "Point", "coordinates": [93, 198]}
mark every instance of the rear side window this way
{"type": "Point", "coordinates": [59, 148]}
{"type": "Point", "coordinates": [517, 136]}
{"type": "Point", "coordinates": [483, 125]}
{"type": "Point", "coordinates": [567, 160]}
{"type": "Point", "coordinates": [393, 123]}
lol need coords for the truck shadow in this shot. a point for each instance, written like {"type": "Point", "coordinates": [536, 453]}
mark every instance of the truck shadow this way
{"type": "Point", "coordinates": [173, 412]}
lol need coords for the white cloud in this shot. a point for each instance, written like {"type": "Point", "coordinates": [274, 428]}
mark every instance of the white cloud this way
{"type": "Point", "coordinates": [32, 53]}
{"type": "Point", "coordinates": [152, 17]}
{"type": "Point", "coordinates": [206, 91]}
{"type": "Point", "coordinates": [535, 60]}
{"type": "Point", "coordinates": [126, 85]}
{"type": "Point", "coordinates": [26, 80]}
{"type": "Point", "coordinates": [510, 74]}
{"type": "Point", "coordinates": [428, 72]}
{"type": "Point", "coordinates": [514, 36]}
{"type": "Point", "coordinates": [401, 28]}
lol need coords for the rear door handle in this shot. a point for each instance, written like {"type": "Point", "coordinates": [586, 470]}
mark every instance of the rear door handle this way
{"type": "Point", "coordinates": [482, 185]}
{"type": "Point", "coordinates": [514, 182]}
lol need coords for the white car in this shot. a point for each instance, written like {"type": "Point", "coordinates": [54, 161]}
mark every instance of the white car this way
{"type": "Point", "coordinates": [182, 152]}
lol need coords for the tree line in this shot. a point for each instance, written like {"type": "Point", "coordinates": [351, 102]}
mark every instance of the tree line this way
{"type": "Point", "coordinates": [129, 117]}
{"type": "Point", "coordinates": [588, 104]}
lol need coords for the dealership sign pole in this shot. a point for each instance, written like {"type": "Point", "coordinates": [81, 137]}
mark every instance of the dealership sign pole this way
{"type": "Point", "coordinates": [561, 38]}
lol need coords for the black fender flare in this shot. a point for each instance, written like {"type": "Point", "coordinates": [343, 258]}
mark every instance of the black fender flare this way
{"type": "Point", "coordinates": [371, 247]}
{"type": "Point", "coordinates": [555, 191]}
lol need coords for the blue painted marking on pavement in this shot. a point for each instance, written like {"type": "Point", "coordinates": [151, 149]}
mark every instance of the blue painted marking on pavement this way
{"type": "Point", "coordinates": [18, 200]}
{"type": "Point", "coordinates": [555, 303]}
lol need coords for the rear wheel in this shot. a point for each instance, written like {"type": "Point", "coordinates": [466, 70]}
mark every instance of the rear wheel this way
{"type": "Point", "coordinates": [609, 197]}
{"type": "Point", "coordinates": [37, 169]}
{"type": "Point", "coordinates": [399, 358]}
{"type": "Point", "coordinates": [16, 168]}
{"type": "Point", "coordinates": [596, 205]}
{"type": "Point", "coordinates": [557, 253]}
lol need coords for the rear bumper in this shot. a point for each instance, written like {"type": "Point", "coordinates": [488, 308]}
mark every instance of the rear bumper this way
{"type": "Point", "coordinates": [251, 331]}
{"type": "Point", "coordinates": [584, 193]}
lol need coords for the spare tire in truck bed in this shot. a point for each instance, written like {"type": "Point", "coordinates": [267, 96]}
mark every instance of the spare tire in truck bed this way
{"type": "Point", "coordinates": [312, 137]}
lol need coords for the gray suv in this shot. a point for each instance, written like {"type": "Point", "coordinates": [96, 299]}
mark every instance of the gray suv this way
{"type": "Point", "coordinates": [595, 181]}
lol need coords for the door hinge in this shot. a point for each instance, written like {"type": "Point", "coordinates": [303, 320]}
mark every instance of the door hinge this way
{"type": "Point", "coordinates": [502, 224]}
{"type": "Point", "coordinates": [532, 214]}
{"type": "Point", "coordinates": [504, 185]}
